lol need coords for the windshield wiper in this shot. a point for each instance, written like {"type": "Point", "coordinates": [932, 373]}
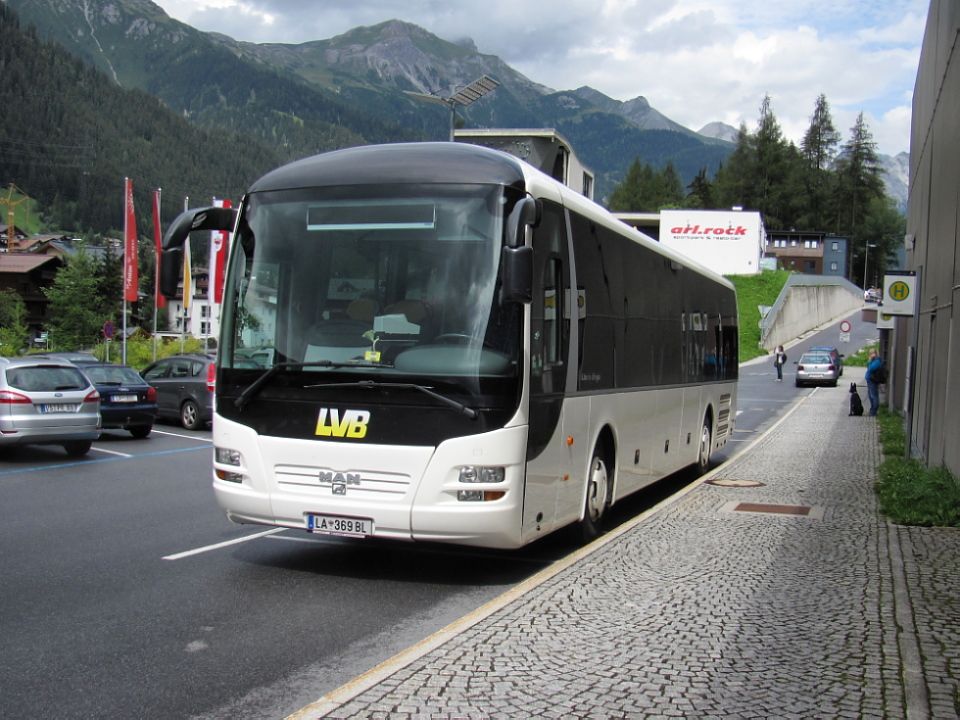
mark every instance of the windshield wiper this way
{"type": "Point", "coordinates": [253, 388]}
{"type": "Point", "coordinates": [450, 402]}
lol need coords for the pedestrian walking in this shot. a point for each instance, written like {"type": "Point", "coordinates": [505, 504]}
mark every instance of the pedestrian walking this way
{"type": "Point", "coordinates": [779, 360]}
{"type": "Point", "coordinates": [876, 376]}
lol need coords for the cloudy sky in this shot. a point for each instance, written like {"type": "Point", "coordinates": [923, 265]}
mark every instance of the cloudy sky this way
{"type": "Point", "coordinates": [696, 61]}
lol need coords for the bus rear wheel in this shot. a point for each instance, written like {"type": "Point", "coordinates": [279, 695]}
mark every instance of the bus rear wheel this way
{"type": "Point", "coordinates": [598, 496]}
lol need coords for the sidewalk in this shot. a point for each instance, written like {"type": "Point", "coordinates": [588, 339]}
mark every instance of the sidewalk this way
{"type": "Point", "coordinates": [773, 589]}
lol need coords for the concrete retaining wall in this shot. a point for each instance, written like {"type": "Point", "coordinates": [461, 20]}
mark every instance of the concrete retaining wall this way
{"type": "Point", "coordinates": [806, 302]}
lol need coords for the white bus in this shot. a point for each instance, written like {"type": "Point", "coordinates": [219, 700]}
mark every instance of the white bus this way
{"type": "Point", "coordinates": [438, 342]}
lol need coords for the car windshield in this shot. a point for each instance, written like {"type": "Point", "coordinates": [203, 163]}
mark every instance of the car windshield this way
{"type": "Point", "coordinates": [46, 378]}
{"type": "Point", "coordinates": [114, 375]}
{"type": "Point", "coordinates": [816, 359]}
{"type": "Point", "coordinates": [372, 282]}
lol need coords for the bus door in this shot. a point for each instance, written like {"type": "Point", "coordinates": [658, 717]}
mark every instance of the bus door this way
{"type": "Point", "coordinates": [549, 344]}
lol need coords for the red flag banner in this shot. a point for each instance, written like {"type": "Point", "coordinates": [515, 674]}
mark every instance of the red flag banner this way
{"type": "Point", "coordinates": [157, 236]}
{"type": "Point", "coordinates": [130, 279]}
{"type": "Point", "coordinates": [219, 245]}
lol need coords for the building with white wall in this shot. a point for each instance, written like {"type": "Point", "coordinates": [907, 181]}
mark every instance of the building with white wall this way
{"type": "Point", "coordinates": [729, 242]}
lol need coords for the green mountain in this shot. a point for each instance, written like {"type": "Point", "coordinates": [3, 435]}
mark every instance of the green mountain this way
{"type": "Point", "coordinates": [296, 100]}
{"type": "Point", "coordinates": [70, 135]}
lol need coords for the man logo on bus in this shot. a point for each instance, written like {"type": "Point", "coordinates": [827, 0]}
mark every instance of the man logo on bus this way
{"type": "Point", "coordinates": [352, 425]}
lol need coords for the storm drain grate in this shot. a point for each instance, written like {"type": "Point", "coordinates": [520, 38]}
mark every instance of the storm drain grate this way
{"type": "Point", "coordinates": [805, 511]}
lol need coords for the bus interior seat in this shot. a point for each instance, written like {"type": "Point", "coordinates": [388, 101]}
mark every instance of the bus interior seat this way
{"type": "Point", "coordinates": [362, 310]}
{"type": "Point", "coordinates": [336, 340]}
{"type": "Point", "coordinates": [414, 310]}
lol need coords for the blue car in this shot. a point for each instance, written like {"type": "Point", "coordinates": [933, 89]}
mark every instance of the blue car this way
{"type": "Point", "coordinates": [127, 401]}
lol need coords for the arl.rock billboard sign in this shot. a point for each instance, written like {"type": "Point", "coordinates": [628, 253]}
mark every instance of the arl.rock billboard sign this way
{"type": "Point", "coordinates": [727, 242]}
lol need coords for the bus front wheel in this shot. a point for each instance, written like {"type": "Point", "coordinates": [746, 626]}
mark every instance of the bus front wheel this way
{"type": "Point", "coordinates": [706, 446]}
{"type": "Point", "coordinates": [598, 496]}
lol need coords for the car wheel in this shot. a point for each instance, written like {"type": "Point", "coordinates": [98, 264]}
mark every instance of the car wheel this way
{"type": "Point", "coordinates": [77, 448]}
{"type": "Point", "coordinates": [598, 496]}
{"type": "Point", "coordinates": [190, 415]}
{"type": "Point", "coordinates": [140, 431]}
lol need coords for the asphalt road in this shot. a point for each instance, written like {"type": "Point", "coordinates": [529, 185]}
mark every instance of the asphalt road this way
{"type": "Point", "coordinates": [126, 593]}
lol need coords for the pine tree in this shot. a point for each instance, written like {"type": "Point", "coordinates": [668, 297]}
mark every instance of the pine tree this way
{"type": "Point", "coordinates": [733, 181]}
{"type": "Point", "coordinates": [701, 192]}
{"type": "Point", "coordinates": [858, 185]}
{"type": "Point", "coordinates": [818, 149]}
{"type": "Point", "coordinates": [74, 321]}
{"type": "Point", "coordinates": [14, 333]}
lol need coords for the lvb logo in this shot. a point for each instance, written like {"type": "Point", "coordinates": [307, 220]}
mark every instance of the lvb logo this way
{"type": "Point", "coordinates": [352, 425]}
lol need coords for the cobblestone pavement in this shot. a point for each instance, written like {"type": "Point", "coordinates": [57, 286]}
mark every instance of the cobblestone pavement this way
{"type": "Point", "coordinates": [792, 598]}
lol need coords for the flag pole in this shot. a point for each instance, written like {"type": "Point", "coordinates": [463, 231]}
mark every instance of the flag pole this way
{"type": "Point", "coordinates": [156, 277]}
{"type": "Point", "coordinates": [126, 249]}
{"type": "Point", "coordinates": [187, 282]}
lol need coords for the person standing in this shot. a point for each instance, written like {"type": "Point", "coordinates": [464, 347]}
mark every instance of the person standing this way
{"type": "Point", "coordinates": [874, 378]}
{"type": "Point", "coordinates": [779, 360]}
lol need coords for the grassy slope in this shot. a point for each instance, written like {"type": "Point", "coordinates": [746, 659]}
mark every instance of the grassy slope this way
{"type": "Point", "coordinates": [753, 291]}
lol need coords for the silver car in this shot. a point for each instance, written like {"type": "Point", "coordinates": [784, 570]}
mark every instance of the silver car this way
{"type": "Point", "coordinates": [46, 401]}
{"type": "Point", "coordinates": [817, 368]}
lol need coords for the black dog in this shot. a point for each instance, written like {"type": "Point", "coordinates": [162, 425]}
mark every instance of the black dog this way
{"type": "Point", "coordinates": [856, 407]}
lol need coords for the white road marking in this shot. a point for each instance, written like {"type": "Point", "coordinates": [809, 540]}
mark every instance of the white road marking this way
{"type": "Point", "coordinates": [208, 548]}
{"type": "Point", "coordinates": [111, 452]}
{"type": "Point", "coordinates": [180, 435]}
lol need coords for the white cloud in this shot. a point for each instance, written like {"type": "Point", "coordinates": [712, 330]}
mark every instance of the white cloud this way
{"type": "Point", "coordinates": [694, 60]}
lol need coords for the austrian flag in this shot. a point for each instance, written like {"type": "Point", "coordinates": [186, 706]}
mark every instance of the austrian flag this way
{"type": "Point", "coordinates": [130, 279]}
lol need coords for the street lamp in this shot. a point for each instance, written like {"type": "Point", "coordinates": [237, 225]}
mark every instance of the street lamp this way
{"type": "Point", "coordinates": [866, 254]}
{"type": "Point", "coordinates": [467, 96]}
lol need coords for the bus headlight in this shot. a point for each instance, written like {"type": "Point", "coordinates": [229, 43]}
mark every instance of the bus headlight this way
{"type": "Point", "coordinates": [226, 456]}
{"type": "Point", "coordinates": [476, 474]}
{"type": "Point", "coordinates": [481, 474]}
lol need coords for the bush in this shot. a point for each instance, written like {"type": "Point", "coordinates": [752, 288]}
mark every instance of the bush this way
{"type": "Point", "coordinates": [140, 350]}
{"type": "Point", "coordinates": [909, 492]}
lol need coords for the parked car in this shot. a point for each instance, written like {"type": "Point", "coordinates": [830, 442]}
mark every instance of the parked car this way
{"type": "Point", "coordinates": [127, 401]}
{"type": "Point", "coordinates": [816, 368]}
{"type": "Point", "coordinates": [833, 353]}
{"type": "Point", "coordinates": [872, 295]}
{"type": "Point", "coordinates": [184, 386]}
{"type": "Point", "coordinates": [46, 401]}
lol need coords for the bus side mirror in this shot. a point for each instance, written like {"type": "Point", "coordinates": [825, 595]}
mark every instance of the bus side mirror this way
{"type": "Point", "coordinates": [171, 259]}
{"type": "Point", "coordinates": [171, 262]}
{"type": "Point", "coordinates": [525, 214]}
{"type": "Point", "coordinates": [516, 272]}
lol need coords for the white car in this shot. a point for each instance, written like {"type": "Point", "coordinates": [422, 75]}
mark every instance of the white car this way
{"type": "Point", "coordinates": [872, 295]}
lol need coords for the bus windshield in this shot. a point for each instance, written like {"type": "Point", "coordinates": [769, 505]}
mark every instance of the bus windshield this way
{"type": "Point", "coordinates": [385, 282]}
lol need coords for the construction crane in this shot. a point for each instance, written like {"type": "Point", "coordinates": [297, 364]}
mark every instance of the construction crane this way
{"type": "Point", "coordinates": [11, 204]}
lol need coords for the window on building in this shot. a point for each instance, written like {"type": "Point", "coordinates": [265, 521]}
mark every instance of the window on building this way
{"type": "Point", "coordinates": [836, 246]}
{"type": "Point", "coordinates": [204, 328]}
{"type": "Point", "coordinates": [834, 267]}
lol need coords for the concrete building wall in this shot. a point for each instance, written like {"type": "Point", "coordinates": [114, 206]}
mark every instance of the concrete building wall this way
{"type": "Point", "coordinates": [934, 252]}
